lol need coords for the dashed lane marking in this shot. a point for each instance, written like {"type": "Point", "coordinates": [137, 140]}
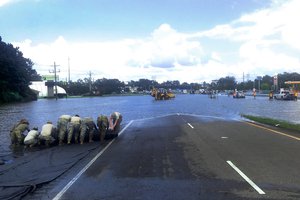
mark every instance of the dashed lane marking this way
{"type": "Point", "coordinates": [190, 125]}
{"type": "Point", "coordinates": [246, 178]}
{"type": "Point", "coordinates": [61, 193]}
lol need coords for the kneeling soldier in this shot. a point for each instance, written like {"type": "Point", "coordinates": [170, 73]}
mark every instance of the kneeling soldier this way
{"type": "Point", "coordinates": [87, 127]}
{"type": "Point", "coordinates": [102, 123]}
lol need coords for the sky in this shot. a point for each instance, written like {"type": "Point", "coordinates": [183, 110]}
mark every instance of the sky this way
{"type": "Point", "coordinates": [162, 40]}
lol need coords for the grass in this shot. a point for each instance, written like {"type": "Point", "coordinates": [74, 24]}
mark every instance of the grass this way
{"type": "Point", "coordinates": [274, 122]}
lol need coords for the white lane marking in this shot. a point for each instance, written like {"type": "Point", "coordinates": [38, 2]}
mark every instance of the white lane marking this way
{"type": "Point", "coordinates": [61, 193]}
{"type": "Point", "coordinates": [246, 178]}
{"type": "Point", "coordinates": [190, 125]}
{"type": "Point", "coordinates": [224, 137]}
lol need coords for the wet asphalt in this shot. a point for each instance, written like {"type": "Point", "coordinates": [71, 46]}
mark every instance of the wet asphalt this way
{"type": "Point", "coordinates": [186, 157]}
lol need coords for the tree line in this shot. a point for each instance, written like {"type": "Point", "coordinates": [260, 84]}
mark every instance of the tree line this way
{"type": "Point", "coordinates": [114, 86]}
{"type": "Point", "coordinates": [265, 83]}
{"type": "Point", "coordinates": [16, 74]}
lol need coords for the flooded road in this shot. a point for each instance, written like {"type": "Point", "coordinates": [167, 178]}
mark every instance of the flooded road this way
{"type": "Point", "coordinates": [140, 107]}
{"type": "Point", "coordinates": [187, 157]}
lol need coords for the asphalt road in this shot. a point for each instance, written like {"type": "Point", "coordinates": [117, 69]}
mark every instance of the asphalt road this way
{"type": "Point", "coordinates": [188, 157]}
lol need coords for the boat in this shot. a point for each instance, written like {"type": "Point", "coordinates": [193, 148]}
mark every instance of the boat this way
{"type": "Point", "coordinates": [238, 95]}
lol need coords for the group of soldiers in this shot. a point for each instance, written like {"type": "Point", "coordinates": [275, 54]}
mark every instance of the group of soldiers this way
{"type": "Point", "coordinates": [70, 129]}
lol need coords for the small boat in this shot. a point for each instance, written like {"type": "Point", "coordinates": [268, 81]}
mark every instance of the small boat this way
{"type": "Point", "coordinates": [239, 95]}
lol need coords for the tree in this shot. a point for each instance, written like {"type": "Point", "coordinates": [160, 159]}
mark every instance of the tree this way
{"type": "Point", "coordinates": [185, 86]}
{"type": "Point", "coordinates": [265, 86]}
{"type": "Point", "coordinates": [80, 87]}
{"type": "Point", "coordinates": [108, 86]}
{"type": "Point", "coordinates": [266, 82]}
{"type": "Point", "coordinates": [15, 74]}
{"type": "Point", "coordinates": [249, 85]}
{"type": "Point", "coordinates": [227, 83]}
{"type": "Point", "coordinates": [145, 84]}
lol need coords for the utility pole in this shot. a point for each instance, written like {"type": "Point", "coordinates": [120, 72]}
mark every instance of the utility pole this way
{"type": "Point", "coordinates": [55, 78]}
{"type": "Point", "coordinates": [90, 82]}
{"type": "Point", "coordinates": [68, 69]}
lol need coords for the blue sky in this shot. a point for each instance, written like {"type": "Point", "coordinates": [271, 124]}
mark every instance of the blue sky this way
{"type": "Point", "coordinates": [113, 19]}
{"type": "Point", "coordinates": [186, 40]}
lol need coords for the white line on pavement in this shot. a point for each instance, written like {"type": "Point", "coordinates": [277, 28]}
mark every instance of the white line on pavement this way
{"type": "Point", "coordinates": [246, 178]}
{"type": "Point", "coordinates": [60, 194]}
{"type": "Point", "coordinates": [190, 125]}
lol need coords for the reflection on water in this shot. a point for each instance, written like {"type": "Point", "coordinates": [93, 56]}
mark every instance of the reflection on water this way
{"type": "Point", "coordinates": [139, 107]}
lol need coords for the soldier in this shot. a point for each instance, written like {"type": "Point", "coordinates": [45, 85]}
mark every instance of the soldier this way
{"type": "Point", "coordinates": [87, 127]}
{"type": "Point", "coordinates": [115, 120]}
{"type": "Point", "coordinates": [17, 132]}
{"type": "Point", "coordinates": [102, 123]}
{"type": "Point", "coordinates": [32, 137]}
{"type": "Point", "coordinates": [48, 134]}
{"type": "Point", "coordinates": [74, 128]}
{"type": "Point", "coordinates": [62, 126]}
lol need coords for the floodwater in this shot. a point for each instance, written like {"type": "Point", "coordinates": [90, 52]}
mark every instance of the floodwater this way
{"type": "Point", "coordinates": [139, 107]}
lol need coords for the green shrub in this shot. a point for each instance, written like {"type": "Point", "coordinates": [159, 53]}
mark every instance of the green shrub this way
{"type": "Point", "coordinates": [274, 122]}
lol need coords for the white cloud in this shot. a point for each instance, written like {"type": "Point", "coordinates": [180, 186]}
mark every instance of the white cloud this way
{"type": "Point", "coordinates": [4, 2]}
{"type": "Point", "coordinates": [7, 2]}
{"type": "Point", "coordinates": [267, 39]}
{"type": "Point", "coordinates": [166, 48]}
{"type": "Point", "coordinates": [123, 59]}
{"type": "Point", "coordinates": [262, 42]}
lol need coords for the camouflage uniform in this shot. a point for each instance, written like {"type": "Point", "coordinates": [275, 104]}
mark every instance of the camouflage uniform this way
{"type": "Point", "coordinates": [62, 126]}
{"type": "Point", "coordinates": [87, 127]}
{"type": "Point", "coordinates": [102, 123]}
{"type": "Point", "coordinates": [16, 134]}
{"type": "Point", "coordinates": [74, 128]}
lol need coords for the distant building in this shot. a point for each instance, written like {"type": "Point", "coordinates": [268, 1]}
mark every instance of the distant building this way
{"type": "Point", "coordinates": [42, 89]}
{"type": "Point", "coordinates": [129, 89]}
